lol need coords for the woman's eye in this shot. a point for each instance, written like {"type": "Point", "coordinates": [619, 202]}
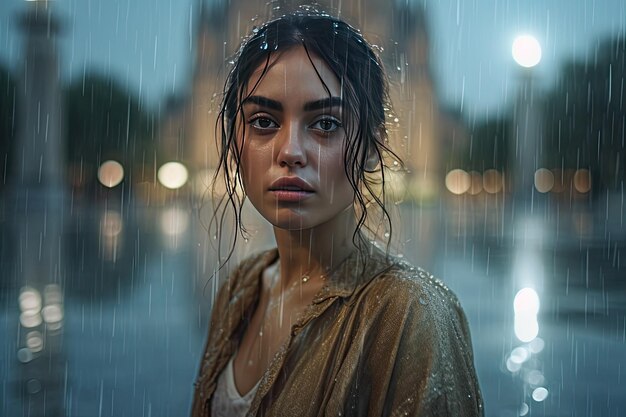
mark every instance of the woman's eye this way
{"type": "Point", "coordinates": [326, 125]}
{"type": "Point", "coordinates": [263, 123]}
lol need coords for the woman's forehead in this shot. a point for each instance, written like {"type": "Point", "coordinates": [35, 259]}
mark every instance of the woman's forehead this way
{"type": "Point", "coordinates": [293, 71]}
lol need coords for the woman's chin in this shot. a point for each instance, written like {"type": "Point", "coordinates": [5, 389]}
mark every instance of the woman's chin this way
{"type": "Point", "coordinates": [293, 222]}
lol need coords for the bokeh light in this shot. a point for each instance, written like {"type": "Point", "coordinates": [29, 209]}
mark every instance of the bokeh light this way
{"type": "Point", "coordinates": [526, 51]}
{"type": "Point", "coordinates": [458, 181]}
{"type": "Point", "coordinates": [526, 307]}
{"type": "Point", "coordinates": [172, 175]}
{"type": "Point", "coordinates": [526, 302]}
{"type": "Point", "coordinates": [582, 181]}
{"type": "Point", "coordinates": [526, 328]}
{"type": "Point", "coordinates": [544, 180]}
{"type": "Point", "coordinates": [110, 173]}
{"type": "Point", "coordinates": [492, 181]}
{"type": "Point", "coordinates": [476, 183]}
{"type": "Point", "coordinates": [540, 394]}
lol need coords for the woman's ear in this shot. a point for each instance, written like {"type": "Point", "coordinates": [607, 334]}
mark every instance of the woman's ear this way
{"type": "Point", "coordinates": [372, 156]}
{"type": "Point", "coordinates": [372, 160]}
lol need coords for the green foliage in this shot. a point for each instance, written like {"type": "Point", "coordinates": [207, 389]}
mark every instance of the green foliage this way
{"type": "Point", "coordinates": [585, 114]}
{"type": "Point", "coordinates": [8, 121]}
{"type": "Point", "coordinates": [105, 121]}
{"type": "Point", "coordinates": [488, 145]}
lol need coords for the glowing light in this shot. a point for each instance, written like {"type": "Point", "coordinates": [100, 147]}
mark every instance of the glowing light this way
{"type": "Point", "coordinates": [544, 180]}
{"type": "Point", "coordinates": [173, 175]}
{"type": "Point", "coordinates": [52, 313]}
{"type": "Point", "coordinates": [540, 394]}
{"type": "Point", "coordinates": [458, 181]}
{"type": "Point", "coordinates": [536, 345]}
{"type": "Point", "coordinates": [34, 341]}
{"type": "Point", "coordinates": [30, 318]}
{"type": "Point", "coordinates": [582, 181]}
{"type": "Point", "coordinates": [476, 183]}
{"type": "Point", "coordinates": [526, 307]}
{"type": "Point", "coordinates": [526, 302]}
{"type": "Point", "coordinates": [526, 51]}
{"type": "Point", "coordinates": [110, 173]}
{"type": "Point", "coordinates": [29, 299]}
{"type": "Point", "coordinates": [492, 181]}
{"type": "Point", "coordinates": [526, 328]}
{"type": "Point", "coordinates": [520, 355]}
{"type": "Point", "coordinates": [513, 366]}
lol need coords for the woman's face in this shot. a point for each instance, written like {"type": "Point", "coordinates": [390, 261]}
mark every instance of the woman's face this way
{"type": "Point", "coordinates": [292, 155]}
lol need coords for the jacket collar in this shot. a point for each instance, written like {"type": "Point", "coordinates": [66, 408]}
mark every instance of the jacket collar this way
{"type": "Point", "coordinates": [347, 279]}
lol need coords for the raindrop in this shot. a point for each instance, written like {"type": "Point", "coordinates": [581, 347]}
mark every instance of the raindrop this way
{"type": "Point", "coordinates": [540, 394]}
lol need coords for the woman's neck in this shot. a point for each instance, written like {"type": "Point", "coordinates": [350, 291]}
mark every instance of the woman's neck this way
{"type": "Point", "coordinates": [315, 251]}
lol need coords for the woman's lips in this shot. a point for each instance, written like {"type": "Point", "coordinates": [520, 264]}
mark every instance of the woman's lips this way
{"type": "Point", "coordinates": [291, 189]}
{"type": "Point", "coordinates": [291, 195]}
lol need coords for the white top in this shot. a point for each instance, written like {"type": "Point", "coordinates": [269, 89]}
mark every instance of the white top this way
{"type": "Point", "coordinates": [227, 402]}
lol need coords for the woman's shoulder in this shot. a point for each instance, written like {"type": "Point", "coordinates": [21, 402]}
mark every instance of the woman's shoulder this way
{"type": "Point", "coordinates": [403, 282]}
{"type": "Point", "coordinates": [408, 294]}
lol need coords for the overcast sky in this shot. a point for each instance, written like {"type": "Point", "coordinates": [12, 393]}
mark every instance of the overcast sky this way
{"type": "Point", "coordinates": [146, 43]}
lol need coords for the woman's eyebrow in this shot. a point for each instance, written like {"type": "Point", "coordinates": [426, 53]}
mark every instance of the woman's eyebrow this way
{"type": "Point", "coordinates": [324, 103]}
{"type": "Point", "coordinates": [264, 102]}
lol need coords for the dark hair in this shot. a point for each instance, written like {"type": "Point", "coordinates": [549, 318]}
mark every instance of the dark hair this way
{"type": "Point", "coordinates": [365, 100]}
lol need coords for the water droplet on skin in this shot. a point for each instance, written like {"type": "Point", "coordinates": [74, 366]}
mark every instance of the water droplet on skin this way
{"type": "Point", "coordinates": [423, 301]}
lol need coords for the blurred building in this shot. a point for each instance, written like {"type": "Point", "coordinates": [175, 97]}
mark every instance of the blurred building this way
{"type": "Point", "coordinates": [399, 31]}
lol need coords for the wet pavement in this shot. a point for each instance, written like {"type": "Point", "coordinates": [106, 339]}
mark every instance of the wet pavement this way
{"type": "Point", "coordinates": [136, 290]}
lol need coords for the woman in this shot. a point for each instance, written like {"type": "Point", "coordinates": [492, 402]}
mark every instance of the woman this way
{"type": "Point", "coordinates": [326, 323]}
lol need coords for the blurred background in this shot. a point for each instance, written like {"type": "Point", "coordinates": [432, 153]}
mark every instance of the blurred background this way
{"type": "Point", "coordinates": [509, 114]}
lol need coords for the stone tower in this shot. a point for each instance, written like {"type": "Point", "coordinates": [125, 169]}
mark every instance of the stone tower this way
{"type": "Point", "coordinates": [37, 229]}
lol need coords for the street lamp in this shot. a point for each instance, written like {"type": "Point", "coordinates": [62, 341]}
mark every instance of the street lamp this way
{"type": "Point", "coordinates": [526, 51]}
{"type": "Point", "coordinates": [527, 135]}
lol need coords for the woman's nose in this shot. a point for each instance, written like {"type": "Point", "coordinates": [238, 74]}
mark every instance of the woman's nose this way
{"type": "Point", "coordinates": [291, 151]}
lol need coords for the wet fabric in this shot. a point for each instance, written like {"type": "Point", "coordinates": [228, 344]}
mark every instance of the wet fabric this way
{"type": "Point", "coordinates": [227, 401]}
{"type": "Point", "coordinates": [382, 338]}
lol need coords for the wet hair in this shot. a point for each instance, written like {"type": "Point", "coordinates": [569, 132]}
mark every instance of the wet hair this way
{"type": "Point", "coordinates": [364, 90]}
